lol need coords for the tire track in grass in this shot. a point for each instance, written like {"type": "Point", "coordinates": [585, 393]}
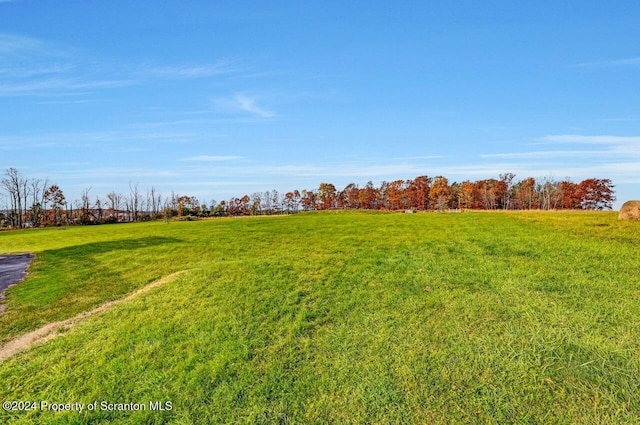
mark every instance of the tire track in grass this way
{"type": "Point", "coordinates": [49, 331]}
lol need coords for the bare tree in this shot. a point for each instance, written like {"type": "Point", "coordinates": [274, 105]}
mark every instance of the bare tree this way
{"type": "Point", "coordinates": [17, 188]}
{"type": "Point", "coordinates": [150, 201]}
{"type": "Point", "coordinates": [167, 209]}
{"type": "Point", "coordinates": [98, 207]}
{"type": "Point", "coordinates": [134, 200]}
{"type": "Point", "coordinates": [154, 201]}
{"type": "Point", "coordinates": [3, 211]}
{"type": "Point", "coordinates": [115, 201]}
{"type": "Point", "coordinates": [275, 200]}
{"type": "Point", "coordinates": [267, 202]}
{"type": "Point", "coordinates": [38, 206]}
{"type": "Point", "coordinates": [174, 202]}
{"type": "Point", "coordinates": [86, 213]}
{"type": "Point", "coordinates": [127, 209]}
{"type": "Point", "coordinates": [507, 178]}
{"type": "Point", "coordinates": [550, 193]}
{"type": "Point", "coordinates": [256, 203]}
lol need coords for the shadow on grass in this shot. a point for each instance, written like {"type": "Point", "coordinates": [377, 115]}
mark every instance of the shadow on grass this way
{"type": "Point", "coordinates": [96, 248]}
{"type": "Point", "coordinates": [67, 281]}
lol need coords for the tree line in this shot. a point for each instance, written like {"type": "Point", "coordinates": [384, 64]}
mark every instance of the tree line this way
{"type": "Point", "coordinates": [29, 202]}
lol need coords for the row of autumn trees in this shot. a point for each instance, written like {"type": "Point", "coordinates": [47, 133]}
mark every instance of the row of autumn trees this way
{"type": "Point", "coordinates": [436, 193]}
{"type": "Point", "coordinates": [35, 202]}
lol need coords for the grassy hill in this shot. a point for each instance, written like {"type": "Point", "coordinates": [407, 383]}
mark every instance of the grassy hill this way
{"type": "Point", "coordinates": [331, 318]}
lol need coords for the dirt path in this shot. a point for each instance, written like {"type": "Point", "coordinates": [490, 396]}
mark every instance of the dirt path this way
{"type": "Point", "coordinates": [49, 331]}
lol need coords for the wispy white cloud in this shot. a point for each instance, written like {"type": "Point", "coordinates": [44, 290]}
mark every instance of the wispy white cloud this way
{"type": "Point", "coordinates": [33, 66]}
{"type": "Point", "coordinates": [611, 63]}
{"type": "Point", "coordinates": [242, 103]}
{"type": "Point", "coordinates": [626, 146]}
{"type": "Point", "coordinates": [126, 150]}
{"type": "Point", "coordinates": [220, 183]}
{"type": "Point", "coordinates": [293, 172]}
{"type": "Point", "coordinates": [417, 157]}
{"type": "Point", "coordinates": [337, 170]}
{"type": "Point", "coordinates": [620, 119]}
{"type": "Point", "coordinates": [36, 67]}
{"type": "Point", "coordinates": [62, 102]}
{"type": "Point", "coordinates": [32, 71]}
{"type": "Point", "coordinates": [195, 71]}
{"type": "Point", "coordinates": [10, 43]}
{"type": "Point", "coordinates": [548, 154]}
{"type": "Point", "coordinates": [577, 157]}
{"type": "Point", "coordinates": [359, 172]}
{"type": "Point", "coordinates": [600, 140]}
{"type": "Point", "coordinates": [390, 168]}
{"type": "Point", "coordinates": [107, 140]}
{"type": "Point", "coordinates": [226, 179]}
{"type": "Point", "coordinates": [212, 158]}
{"type": "Point", "coordinates": [30, 50]}
{"type": "Point", "coordinates": [488, 170]}
{"type": "Point", "coordinates": [248, 104]}
{"type": "Point", "coordinates": [113, 172]}
{"type": "Point", "coordinates": [63, 85]}
{"type": "Point", "coordinates": [619, 171]}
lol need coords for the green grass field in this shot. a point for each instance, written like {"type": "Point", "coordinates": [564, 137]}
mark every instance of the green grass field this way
{"type": "Point", "coordinates": [333, 318]}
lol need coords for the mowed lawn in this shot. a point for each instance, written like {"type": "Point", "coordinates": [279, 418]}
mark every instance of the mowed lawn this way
{"type": "Point", "coordinates": [334, 318]}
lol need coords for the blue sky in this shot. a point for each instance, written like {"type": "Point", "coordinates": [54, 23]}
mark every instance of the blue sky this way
{"type": "Point", "coordinates": [221, 99]}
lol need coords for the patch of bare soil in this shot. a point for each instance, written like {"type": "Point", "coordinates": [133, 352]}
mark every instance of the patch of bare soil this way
{"type": "Point", "coordinates": [50, 330]}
